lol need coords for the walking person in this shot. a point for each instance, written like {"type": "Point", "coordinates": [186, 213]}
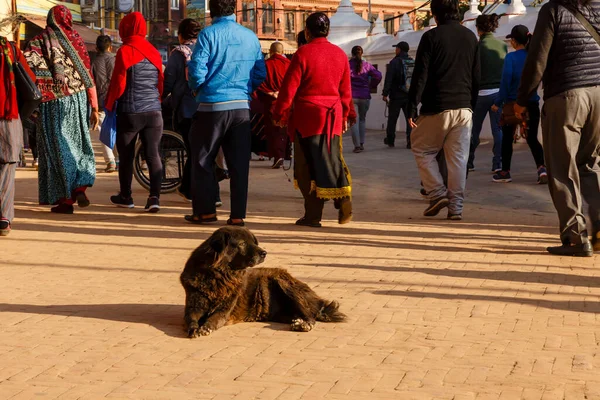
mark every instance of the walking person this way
{"type": "Point", "coordinates": [102, 70]}
{"type": "Point", "coordinates": [278, 142]}
{"type": "Point", "coordinates": [11, 131]}
{"type": "Point", "coordinates": [446, 83]}
{"type": "Point", "coordinates": [492, 53]}
{"type": "Point", "coordinates": [227, 65]}
{"type": "Point", "coordinates": [363, 78]}
{"type": "Point", "coordinates": [317, 90]}
{"type": "Point", "coordinates": [565, 40]}
{"type": "Point", "coordinates": [511, 78]}
{"type": "Point", "coordinates": [395, 92]}
{"type": "Point", "coordinates": [135, 90]}
{"type": "Point", "coordinates": [182, 101]}
{"type": "Point", "coordinates": [66, 158]}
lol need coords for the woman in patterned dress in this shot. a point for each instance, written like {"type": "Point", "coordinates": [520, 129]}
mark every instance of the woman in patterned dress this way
{"type": "Point", "coordinates": [11, 131]}
{"type": "Point", "coordinates": [61, 65]}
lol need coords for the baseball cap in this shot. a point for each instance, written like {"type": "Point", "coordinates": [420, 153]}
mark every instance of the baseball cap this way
{"type": "Point", "coordinates": [520, 33]}
{"type": "Point", "coordinates": [402, 46]}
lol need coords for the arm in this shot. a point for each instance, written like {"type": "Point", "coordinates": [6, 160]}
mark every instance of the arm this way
{"type": "Point", "coordinates": [118, 82]}
{"type": "Point", "coordinates": [507, 72]}
{"type": "Point", "coordinates": [419, 78]}
{"type": "Point", "coordinates": [259, 71]}
{"type": "Point", "coordinates": [475, 77]}
{"type": "Point", "coordinates": [198, 65]}
{"type": "Point", "coordinates": [288, 90]}
{"type": "Point", "coordinates": [389, 78]}
{"type": "Point", "coordinates": [375, 76]}
{"type": "Point", "coordinates": [346, 95]}
{"type": "Point", "coordinates": [175, 67]}
{"type": "Point", "coordinates": [537, 56]}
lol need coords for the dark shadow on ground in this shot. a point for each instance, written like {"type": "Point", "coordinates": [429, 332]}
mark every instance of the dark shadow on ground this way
{"type": "Point", "coordinates": [592, 307]}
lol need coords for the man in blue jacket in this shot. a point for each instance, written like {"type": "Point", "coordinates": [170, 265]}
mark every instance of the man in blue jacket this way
{"type": "Point", "coordinates": [227, 65]}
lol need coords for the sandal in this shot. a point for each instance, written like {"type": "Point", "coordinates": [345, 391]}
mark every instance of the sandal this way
{"type": "Point", "coordinates": [62, 208]}
{"type": "Point", "coordinates": [230, 222]}
{"type": "Point", "coordinates": [5, 227]}
{"type": "Point", "coordinates": [198, 220]}
{"type": "Point", "coordinates": [305, 222]}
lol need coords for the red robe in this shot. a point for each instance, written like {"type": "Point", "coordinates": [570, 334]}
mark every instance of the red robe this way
{"type": "Point", "coordinates": [317, 85]}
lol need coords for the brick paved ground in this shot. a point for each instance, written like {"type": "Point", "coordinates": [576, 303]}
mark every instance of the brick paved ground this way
{"type": "Point", "coordinates": [91, 307]}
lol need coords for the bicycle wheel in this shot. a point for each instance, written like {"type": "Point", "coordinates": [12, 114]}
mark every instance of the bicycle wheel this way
{"type": "Point", "coordinates": [173, 154]}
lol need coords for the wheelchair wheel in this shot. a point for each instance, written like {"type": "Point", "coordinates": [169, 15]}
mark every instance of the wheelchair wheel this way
{"type": "Point", "coordinates": [173, 154]}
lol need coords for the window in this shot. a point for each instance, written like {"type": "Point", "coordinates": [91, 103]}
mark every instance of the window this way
{"type": "Point", "coordinates": [267, 19]}
{"type": "Point", "coordinates": [248, 14]}
{"type": "Point", "coordinates": [389, 25]}
{"type": "Point", "coordinates": [290, 25]}
{"type": "Point", "coordinates": [175, 4]}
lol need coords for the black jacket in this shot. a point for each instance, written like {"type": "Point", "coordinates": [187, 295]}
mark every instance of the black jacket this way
{"type": "Point", "coordinates": [447, 69]}
{"type": "Point", "coordinates": [562, 53]}
{"type": "Point", "coordinates": [394, 78]}
{"type": "Point", "coordinates": [141, 92]}
{"type": "Point", "coordinates": [102, 69]}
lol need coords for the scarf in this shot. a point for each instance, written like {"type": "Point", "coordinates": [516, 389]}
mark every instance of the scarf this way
{"type": "Point", "coordinates": [136, 48]}
{"type": "Point", "coordinates": [58, 57]}
{"type": "Point", "coordinates": [8, 94]}
{"type": "Point", "coordinates": [186, 49]}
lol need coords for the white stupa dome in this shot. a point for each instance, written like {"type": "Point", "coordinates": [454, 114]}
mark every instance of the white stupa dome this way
{"type": "Point", "coordinates": [346, 25]}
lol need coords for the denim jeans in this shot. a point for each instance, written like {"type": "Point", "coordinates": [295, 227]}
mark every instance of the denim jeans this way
{"type": "Point", "coordinates": [359, 130]}
{"type": "Point", "coordinates": [483, 107]}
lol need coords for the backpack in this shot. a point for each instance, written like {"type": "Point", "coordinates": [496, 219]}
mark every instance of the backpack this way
{"type": "Point", "coordinates": [409, 67]}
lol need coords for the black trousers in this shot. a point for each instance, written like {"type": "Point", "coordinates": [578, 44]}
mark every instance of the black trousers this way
{"type": "Point", "coordinates": [183, 128]}
{"type": "Point", "coordinates": [210, 131]}
{"type": "Point", "coordinates": [536, 148]}
{"type": "Point", "coordinates": [394, 108]}
{"type": "Point", "coordinates": [149, 127]}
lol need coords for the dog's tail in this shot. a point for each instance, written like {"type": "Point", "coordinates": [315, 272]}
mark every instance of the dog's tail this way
{"type": "Point", "coordinates": [330, 312]}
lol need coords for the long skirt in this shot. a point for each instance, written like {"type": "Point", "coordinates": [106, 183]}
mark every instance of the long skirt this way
{"type": "Point", "coordinates": [66, 156]}
{"type": "Point", "coordinates": [328, 173]}
{"type": "Point", "coordinates": [11, 142]}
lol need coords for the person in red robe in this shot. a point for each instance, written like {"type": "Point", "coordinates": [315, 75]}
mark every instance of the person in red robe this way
{"type": "Point", "coordinates": [315, 102]}
{"type": "Point", "coordinates": [278, 143]}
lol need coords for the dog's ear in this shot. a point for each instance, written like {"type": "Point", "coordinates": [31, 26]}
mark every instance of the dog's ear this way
{"type": "Point", "coordinates": [219, 241]}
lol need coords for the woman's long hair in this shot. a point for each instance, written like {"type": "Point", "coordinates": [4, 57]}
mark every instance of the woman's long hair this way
{"type": "Point", "coordinates": [357, 52]}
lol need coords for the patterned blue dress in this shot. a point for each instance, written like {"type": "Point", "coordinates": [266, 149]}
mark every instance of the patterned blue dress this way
{"type": "Point", "coordinates": [66, 157]}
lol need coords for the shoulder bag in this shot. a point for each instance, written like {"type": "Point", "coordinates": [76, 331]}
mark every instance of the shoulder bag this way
{"type": "Point", "coordinates": [29, 96]}
{"type": "Point", "coordinates": [586, 24]}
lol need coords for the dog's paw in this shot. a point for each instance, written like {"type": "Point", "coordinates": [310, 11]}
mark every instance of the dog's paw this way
{"type": "Point", "coordinates": [204, 331]}
{"type": "Point", "coordinates": [300, 325]}
{"type": "Point", "coordinates": [193, 333]}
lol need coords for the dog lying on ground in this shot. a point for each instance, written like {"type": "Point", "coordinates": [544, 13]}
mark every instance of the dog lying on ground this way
{"type": "Point", "coordinates": [221, 288]}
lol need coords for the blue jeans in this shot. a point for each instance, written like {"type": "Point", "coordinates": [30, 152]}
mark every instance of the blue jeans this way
{"type": "Point", "coordinates": [359, 130]}
{"type": "Point", "coordinates": [483, 107]}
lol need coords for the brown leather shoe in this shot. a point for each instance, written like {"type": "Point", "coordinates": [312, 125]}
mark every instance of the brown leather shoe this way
{"type": "Point", "coordinates": [345, 213]}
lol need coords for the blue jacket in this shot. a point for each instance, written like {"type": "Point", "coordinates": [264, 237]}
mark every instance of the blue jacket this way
{"type": "Point", "coordinates": [511, 78]}
{"type": "Point", "coordinates": [226, 67]}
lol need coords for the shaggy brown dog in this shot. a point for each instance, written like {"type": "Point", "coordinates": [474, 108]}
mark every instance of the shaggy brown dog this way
{"type": "Point", "coordinates": [221, 289]}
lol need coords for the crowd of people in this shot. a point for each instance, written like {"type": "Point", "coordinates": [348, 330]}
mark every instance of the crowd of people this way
{"type": "Point", "coordinates": [217, 78]}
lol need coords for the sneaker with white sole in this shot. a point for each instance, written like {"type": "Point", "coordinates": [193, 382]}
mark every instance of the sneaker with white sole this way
{"type": "Point", "coordinates": [502, 177]}
{"type": "Point", "coordinates": [435, 206]}
{"type": "Point", "coordinates": [121, 201]}
{"type": "Point", "coordinates": [542, 176]}
{"type": "Point", "coordinates": [152, 205]}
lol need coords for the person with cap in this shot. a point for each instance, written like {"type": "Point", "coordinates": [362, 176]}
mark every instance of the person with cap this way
{"type": "Point", "coordinates": [395, 92]}
{"type": "Point", "coordinates": [446, 84]}
{"type": "Point", "coordinates": [511, 78]}
{"type": "Point", "coordinates": [564, 54]}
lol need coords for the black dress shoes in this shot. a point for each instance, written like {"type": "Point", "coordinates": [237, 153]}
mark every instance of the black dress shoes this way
{"type": "Point", "coordinates": [578, 250]}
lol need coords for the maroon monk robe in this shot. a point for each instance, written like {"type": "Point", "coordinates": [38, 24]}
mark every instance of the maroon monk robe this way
{"type": "Point", "coordinates": [277, 139]}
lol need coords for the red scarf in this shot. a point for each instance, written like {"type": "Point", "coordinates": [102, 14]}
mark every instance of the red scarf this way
{"type": "Point", "coordinates": [8, 95]}
{"type": "Point", "coordinates": [136, 48]}
{"type": "Point", "coordinates": [277, 65]}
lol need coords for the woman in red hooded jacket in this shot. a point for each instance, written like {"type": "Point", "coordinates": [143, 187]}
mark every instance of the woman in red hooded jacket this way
{"type": "Point", "coordinates": [135, 91]}
{"type": "Point", "coordinates": [317, 85]}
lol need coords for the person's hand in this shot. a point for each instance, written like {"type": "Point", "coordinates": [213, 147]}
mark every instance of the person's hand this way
{"type": "Point", "coordinates": [519, 111]}
{"type": "Point", "coordinates": [412, 123]}
{"type": "Point", "coordinates": [274, 94]}
{"type": "Point", "coordinates": [94, 120]}
{"type": "Point", "coordinates": [495, 108]}
{"type": "Point", "coordinates": [385, 98]}
{"type": "Point", "coordinates": [351, 121]}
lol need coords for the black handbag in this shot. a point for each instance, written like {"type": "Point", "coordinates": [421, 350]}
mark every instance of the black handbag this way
{"type": "Point", "coordinates": [29, 96]}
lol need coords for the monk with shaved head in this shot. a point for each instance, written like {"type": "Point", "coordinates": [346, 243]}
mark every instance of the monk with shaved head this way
{"type": "Point", "coordinates": [278, 145]}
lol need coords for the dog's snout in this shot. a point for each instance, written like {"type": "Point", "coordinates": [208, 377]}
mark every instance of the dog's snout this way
{"type": "Point", "coordinates": [262, 253]}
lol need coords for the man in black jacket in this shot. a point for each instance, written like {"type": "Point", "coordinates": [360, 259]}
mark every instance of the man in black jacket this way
{"type": "Point", "coordinates": [564, 54]}
{"type": "Point", "coordinates": [395, 95]}
{"type": "Point", "coordinates": [446, 84]}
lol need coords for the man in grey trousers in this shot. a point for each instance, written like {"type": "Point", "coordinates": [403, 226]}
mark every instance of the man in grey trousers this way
{"type": "Point", "coordinates": [564, 54]}
{"type": "Point", "coordinates": [446, 83]}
